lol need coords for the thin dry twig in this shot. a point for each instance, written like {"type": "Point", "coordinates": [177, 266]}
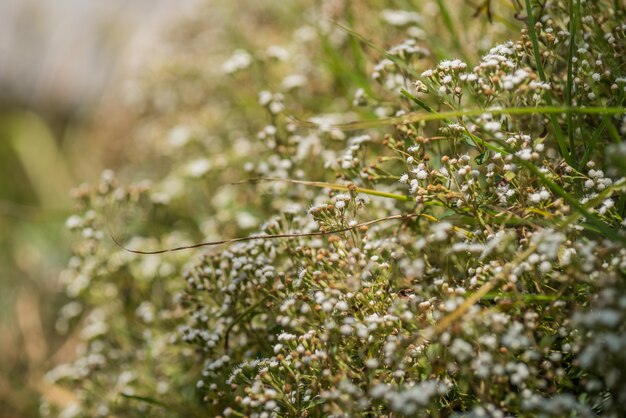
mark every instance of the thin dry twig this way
{"type": "Point", "coordinates": [404, 216]}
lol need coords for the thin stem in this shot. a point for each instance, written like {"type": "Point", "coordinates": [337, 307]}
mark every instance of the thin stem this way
{"type": "Point", "coordinates": [404, 216]}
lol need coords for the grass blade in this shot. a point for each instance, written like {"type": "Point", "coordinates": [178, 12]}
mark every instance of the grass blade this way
{"type": "Point", "coordinates": [425, 117]}
{"type": "Point", "coordinates": [592, 143]}
{"type": "Point", "coordinates": [416, 101]}
{"type": "Point", "coordinates": [592, 220]}
{"type": "Point", "coordinates": [333, 186]}
{"type": "Point", "coordinates": [146, 400]}
{"type": "Point", "coordinates": [400, 63]}
{"type": "Point", "coordinates": [532, 33]}
{"type": "Point", "coordinates": [573, 22]}
{"type": "Point", "coordinates": [447, 21]}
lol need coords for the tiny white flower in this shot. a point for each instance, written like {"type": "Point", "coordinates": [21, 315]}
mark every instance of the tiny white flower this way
{"type": "Point", "coordinates": [371, 363]}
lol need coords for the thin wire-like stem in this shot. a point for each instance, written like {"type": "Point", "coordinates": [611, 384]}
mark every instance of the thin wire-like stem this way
{"type": "Point", "coordinates": [404, 216]}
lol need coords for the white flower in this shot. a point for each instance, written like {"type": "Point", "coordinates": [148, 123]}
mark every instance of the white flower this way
{"type": "Point", "coordinates": [524, 154]}
{"type": "Point", "coordinates": [341, 306]}
{"type": "Point", "coordinates": [293, 81]}
{"type": "Point", "coordinates": [238, 61]}
{"type": "Point", "coordinates": [400, 17]}
{"type": "Point", "coordinates": [493, 126]}
{"type": "Point", "coordinates": [371, 363]}
{"type": "Point", "coordinates": [421, 174]}
{"type": "Point", "coordinates": [265, 97]}
{"type": "Point", "coordinates": [179, 136]}
{"type": "Point", "coordinates": [461, 349]}
{"type": "Point", "coordinates": [285, 336]}
{"type": "Point", "coordinates": [198, 168]}
{"type": "Point", "coordinates": [447, 65]}
{"type": "Point", "coordinates": [277, 52]}
{"type": "Point", "coordinates": [73, 222]}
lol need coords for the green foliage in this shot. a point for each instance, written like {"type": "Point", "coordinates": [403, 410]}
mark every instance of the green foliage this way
{"type": "Point", "coordinates": [495, 287]}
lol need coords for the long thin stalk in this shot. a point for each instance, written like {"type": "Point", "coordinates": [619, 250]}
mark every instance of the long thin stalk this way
{"type": "Point", "coordinates": [542, 75]}
{"type": "Point", "coordinates": [426, 117]}
{"type": "Point", "coordinates": [404, 216]}
{"type": "Point", "coordinates": [332, 186]}
{"type": "Point", "coordinates": [573, 22]}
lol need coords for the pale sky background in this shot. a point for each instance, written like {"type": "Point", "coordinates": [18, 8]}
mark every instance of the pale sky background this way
{"type": "Point", "coordinates": [65, 52]}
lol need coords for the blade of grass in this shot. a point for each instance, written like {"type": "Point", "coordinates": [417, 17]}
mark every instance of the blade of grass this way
{"type": "Point", "coordinates": [332, 186]}
{"type": "Point", "coordinates": [417, 101]}
{"type": "Point", "coordinates": [592, 220]}
{"type": "Point", "coordinates": [615, 188]}
{"type": "Point", "coordinates": [532, 33]}
{"type": "Point", "coordinates": [34, 145]}
{"type": "Point", "coordinates": [420, 117]}
{"type": "Point", "coordinates": [400, 63]}
{"type": "Point", "coordinates": [613, 132]}
{"type": "Point", "coordinates": [357, 54]}
{"type": "Point", "coordinates": [146, 400]}
{"type": "Point", "coordinates": [447, 21]}
{"type": "Point", "coordinates": [486, 144]}
{"type": "Point", "coordinates": [573, 22]}
{"type": "Point", "coordinates": [336, 65]}
{"type": "Point", "coordinates": [592, 143]}
{"type": "Point", "coordinates": [526, 297]}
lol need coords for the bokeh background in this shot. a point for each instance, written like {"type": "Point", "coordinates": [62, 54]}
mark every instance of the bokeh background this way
{"type": "Point", "coordinates": [64, 65]}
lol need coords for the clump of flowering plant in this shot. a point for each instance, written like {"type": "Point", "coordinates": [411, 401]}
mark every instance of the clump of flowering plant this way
{"type": "Point", "coordinates": [448, 241]}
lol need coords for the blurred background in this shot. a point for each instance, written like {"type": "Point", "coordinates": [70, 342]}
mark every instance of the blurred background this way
{"type": "Point", "coordinates": [63, 66]}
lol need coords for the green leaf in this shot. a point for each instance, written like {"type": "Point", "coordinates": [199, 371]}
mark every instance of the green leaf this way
{"type": "Point", "coordinates": [469, 141]}
{"type": "Point", "coordinates": [416, 101]}
{"type": "Point", "coordinates": [145, 399]}
{"type": "Point", "coordinates": [509, 175]}
{"type": "Point", "coordinates": [482, 157]}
